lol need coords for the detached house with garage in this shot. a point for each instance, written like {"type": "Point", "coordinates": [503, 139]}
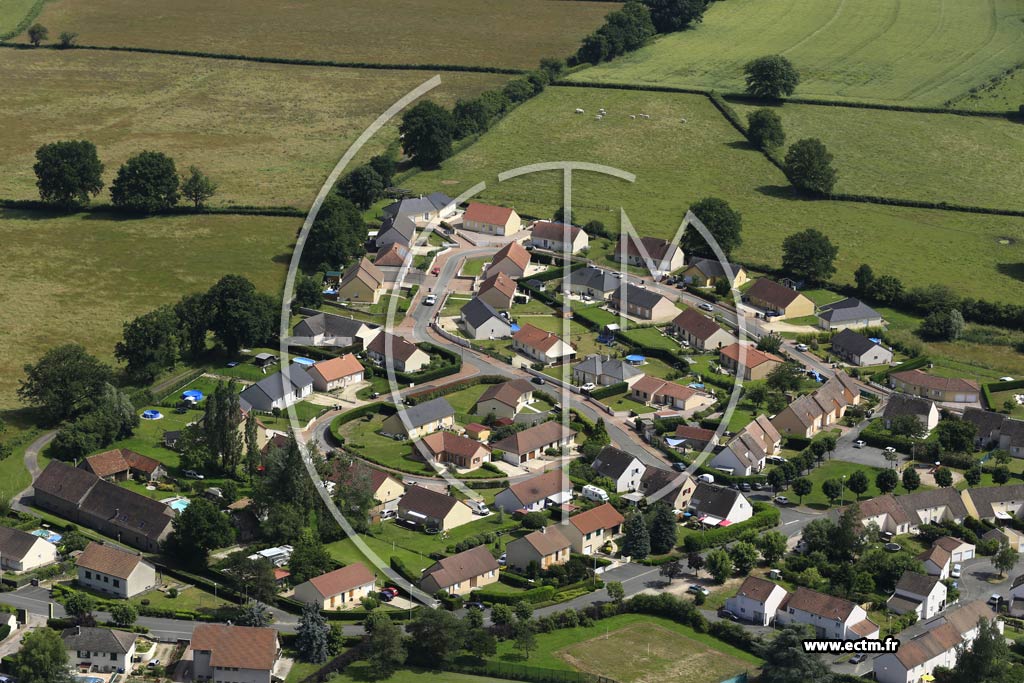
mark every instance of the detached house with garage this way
{"type": "Point", "coordinates": [941, 389]}
{"type": "Point", "coordinates": [831, 617]}
{"type": "Point", "coordinates": [674, 488]}
{"type": "Point", "coordinates": [433, 510]}
{"type": "Point", "coordinates": [848, 314]}
{"type": "Point", "coordinates": [595, 283]}
{"type": "Point", "coordinates": [506, 399]}
{"type": "Point", "coordinates": [757, 364]}
{"type": "Point", "coordinates": [498, 291]}
{"type": "Point", "coordinates": [395, 231]}
{"type": "Point", "coordinates": [116, 572]}
{"type": "Point", "coordinates": [542, 346]}
{"type": "Point", "coordinates": [718, 506]}
{"type": "Point", "coordinates": [415, 422]}
{"type": "Point", "coordinates": [590, 530]}
{"type": "Point", "coordinates": [234, 654]}
{"type": "Point", "coordinates": [625, 469]}
{"type": "Point", "coordinates": [422, 209]}
{"type": "Point", "coordinates": [336, 373]}
{"type": "Point", "coordinates": [533, 442]}
{"type": "Point", "coordinates": [642, 303]}
{"type": "Point", "coordinates": [512, 260]}
{"type": "Point", "coordinates": [491, 220]}
{"type": "Point", "coordinates": [460, 452]}
{"type": "Point", "coordinates": [604, 371]}
{"type": "Point", "coordinates": [390, 259]}
{"type": "Point", "coordinates": [399, 351]}
{"type": "Point", "coordinates": [918, 593]}
{"type": "Point", "coordinates": [327, 329]}
{"type": "Point", "coordinates": [461, 573]}
{"type": "Point", "coordinates": [102, 650]}
{"type": "Point", "coordinates": [479, 320]}
{"type": "Point", "coordinates": [649, 252]}
{"type": "Point", "coordinates": [757, 601]}
{"type": "Point", "coordinates": [386, 489]}
{"type": "Point", "coordinates": [856, 349]}
{"type": "Point", "coordinates": [699, 331]}
{"type": "Point", "coordinates": [280, 390]}
{"type": "Point", "coordinates": [340, 589]}
{"type": "Point", "coordinates": [543, 548]}
{"type": "Point", "coordinates": [777, 300]}
{"type": "Point", "coordinates": [655, 391]}
{"type": "Point", "coordinates": [550, 489]}
{"type": "Point", "coordinates": [704, 272]}
{"type": "Point", "coordinates": [558, 237]}
{"type": "Point", "coordinates": [936, 561]}
{"type": "Point", "coordinates": [21, 551]}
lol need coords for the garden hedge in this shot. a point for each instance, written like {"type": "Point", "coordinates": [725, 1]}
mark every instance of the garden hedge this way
{"type": "Point", "coordinates": [610, 390]}
{"type": "Point", "coordinates": [765, 517]}
{"type": "Point", "coordinates": [533, 595]}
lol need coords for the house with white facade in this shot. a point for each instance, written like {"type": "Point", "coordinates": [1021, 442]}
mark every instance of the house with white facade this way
{"type": "Point", "coordinates": [558, 237]}
{"type": "Point", "coordinates": [757, 601]}
{"type": "Point", "coordinates": [550, 489]}
{"type": "Point", "coordinates": [921, 594]}
{"type": "Point", "coordinates": [625, 469]}
{"type": "Point", "coordinates": [114, 571]}
{"type": "Point", "coordinates": [102, 650]}
{"type": "Point", "coordinates": [21, 551]}
{"type": "Point", "coordinates": [831, 617]}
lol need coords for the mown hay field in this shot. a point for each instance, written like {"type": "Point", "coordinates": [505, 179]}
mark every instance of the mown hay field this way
{"type": "Point", "coordinates": [497, 33]}
{"type": "Point", "coordinates": [79, 278]}
{"type": "Point", "coordinates": [911, 51]}
{"type": "Point", "coordinates": [268, 134]}
{"type": "Point", "coordinates": [969, 160]}
{"type": "Point", "coordinates": [676, 164]}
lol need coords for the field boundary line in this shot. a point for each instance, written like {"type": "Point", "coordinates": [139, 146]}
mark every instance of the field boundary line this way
{"type": "Point", "coordinates": [460, 68]}
{"type": "Point", "coordinates": [272, 211]}
{"type": "Point", "coordinates": [34, 11]}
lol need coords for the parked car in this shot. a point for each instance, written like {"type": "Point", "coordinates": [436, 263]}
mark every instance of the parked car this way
{"type": "Point", "coordinates": [475, 605]}
{"type": "Point", "coordinates": [192, 474]}
{"type": "Point", "coordinates": [782, 500]}
{"type": "Point", "coordinates": [698, 590]}
{"type": "Point", "coordinates": [154, 663]}
{"type": "Point", "coordinates": [388, 514]}
{"type": "Point", "coordinates": [388, 593]}
{"type": "Point", "coordinates": [994, 599]}
{"type": "Point", "coordinates": [745, 487]}
{"type": "Point", "coordinates": [859, 443]}
{"type": "Point", "coordinates": [956, 572]}
{"type": "Point", "coordinates": [726, 614]}
{"type": "Point", "coordinates": [503, 559]}
{"type": "Point", "coordinates": [858, 658]}
{"type": "Point", "coordinates": [890, 449]}
{"type": "Point", "coordinates": [538, 380]}
{"type": "Point", "coordinates": [801, 347]}
{"type": "Point", "coordinates": [706, 307]}
{"type": "Point", "coordinates": [757, 486]}
{"type": "Point", "coordinates": [478, 507]}
{"type": "Point", "coordinates": [588, 387]}
{"type": "Point", "coordinates": [430, 300]}
{"type": "Point", "coordinates": [435, 271]}
{"type": "Point", "coordinates": [679, 466]}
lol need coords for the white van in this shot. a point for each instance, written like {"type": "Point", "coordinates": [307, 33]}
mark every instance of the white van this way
{"type": "Point", "coordinates": [707, 478]}
{"type": "Point", "coordinates": [596, 493]}
{"type": "Point", "coordinates": [478, 507]}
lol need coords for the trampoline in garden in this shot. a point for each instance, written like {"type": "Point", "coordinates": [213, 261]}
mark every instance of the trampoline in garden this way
{"type": "Point", "coordinates": [193, 395]}
{"type": "Point", "coordinates": [635, 359]}
{"type": "Point", "coordinates": [307, 362]}
{"type": "Point", "coordinates": [151, 414]}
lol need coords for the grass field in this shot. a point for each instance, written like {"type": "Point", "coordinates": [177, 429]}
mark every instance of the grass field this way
{"type": "Point", "coordinates": [267, 134]}
{"type": "Point", "coordinates": [835, 469]}
{"type": "Point", "coordinates": [396, 32]}
{"type": "Point", "coordinates": [914, 51]}
{"type": "Point", "coordinates": [1006, 94]}
{"type": "Point", "coordinates": [677, 164]}
{"type": "Point", "coordinates": [346, 551]}
{"type": "Point", "coordinates": [11, 14]}
{"type": "Point", "coordinates": [80, 277]}
{"type": "Point", "coordinates": [908, 155]}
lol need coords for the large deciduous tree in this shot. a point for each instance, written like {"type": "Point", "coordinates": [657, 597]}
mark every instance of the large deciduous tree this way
{"type": "Point", "coordinates": [147, 182]}
{"type": "Point", "coordinates": [808, 165]}
{"type": "Point", "coordinates": [670, 16]}
{"type": "Point", "coordinates": [149, 344]}
{"type": "Point", "coordinates": [197, 187]}
{"type": "Point", "coordinates": [42, 658]}
{"type": "Point", "coordinates": [363, 186]}
{"type": "Point", "coordinates": [810, 256]}
{"type": "Point", "coordinates": [764, 129]}
{"type": "Point", "coordinates": [197, 530]}
{"type": "Point", "coordinates": [771, 76]}
{"type": "Point", "coordinates": [427, 133]}
{"type": "Point", "coordinates": [723, 222]}
{"type": "Point", "coordinates": [68, 172]}
{"type": "Point", "coordinates": [239, 315]}
{"type": "Point", "coordinates": [63, 381]}
{"type": "Point", "coordinates": [337, 237]}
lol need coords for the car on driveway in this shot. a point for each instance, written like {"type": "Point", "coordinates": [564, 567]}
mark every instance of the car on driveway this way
{"type": "Point", "coordinates": [388, 593]}
{"type": "Point", "coordinates": [706, 307]}
{"type": "Point", "coordinates": [994, 599]}
{"type": "Point", "coordinates": [745, 487]}
{"type": "Point", "coordinates": [679, 466]}
{"type": "Point", "coordinates": [726, 614]}
{"type": "Point", "coordinates": [475, 605]}
{"type": "Point", "coordinates": [698, 590]}
{"type": "Point", "coordinates": [890, 449]}
{"type": "Point", "coordinates": [956, 572]}
{"type": "Point", "coordinates": [435, 271]}
{"type": "Point", "coordinates": [858, 658]}
{"type": "Point", "coordinates": [859, 444]}
{"type": "Point", "coordinates": [588, 387]}
{"type": "Point", "coordinates": [782, 500]}
{"type": "Point", "coordinates": [192, 474]}
{"type": "Point", "coordinates": [430, 300]}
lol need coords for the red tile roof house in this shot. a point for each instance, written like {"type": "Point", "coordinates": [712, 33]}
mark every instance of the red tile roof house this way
{"type": "Point", "coordinates": [491, 220]}
{"type": "Point", "coordinates": [458, 451]}
{"type": "Point", "coordinates": [336, 373]}
{"type": "Point", "coordinates": [531, 443]}
{"type": "Point", "coordinates": [512, 259]}
{"type": "Point", "coordinates": [655, 391]}
{"type": "Point", "coordinates": [831, 617]}
{"type": "Point", "coordinates": [558, 237]}
{"type": "Point", "coordinates": [757, 364]}
{"type": "Point", "coordinates": [588, 531]}
{"type": "Point", "coordinates": [122, 463]}
{"type": "Point", "coordinates": [234, 653]}
{"type": "Point", "coordinates": [497, 291]}
{"type": "Point", "coordinates": [340, 589]}
{"type": "Point", "coordinates": [546, 490]}
{"type": "Point", "coordinates": [542, 346]}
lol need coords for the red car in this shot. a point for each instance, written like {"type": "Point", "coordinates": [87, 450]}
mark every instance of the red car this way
{"type": "Point", "coordinates": [388, 593]}
{"type": "Point", "coordinates": [435, 271]}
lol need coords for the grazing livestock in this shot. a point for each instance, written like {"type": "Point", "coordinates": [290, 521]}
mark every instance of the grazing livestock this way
{"type": "Point", "coordinates": [578, 110]}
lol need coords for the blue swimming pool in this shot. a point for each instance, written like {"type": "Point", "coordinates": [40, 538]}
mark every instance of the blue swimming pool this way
{"type": "Point", "coordinates": [48, 535]}
{"type": "Point", "coordinates": [88, 679]}
{"type": "Point", "coordinates": [178, 503]}
{"type": "Point", "coordinates": [304, 361]}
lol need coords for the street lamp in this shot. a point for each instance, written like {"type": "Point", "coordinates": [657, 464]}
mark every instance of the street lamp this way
{"type": "Point", "coordinates": [842, 490]}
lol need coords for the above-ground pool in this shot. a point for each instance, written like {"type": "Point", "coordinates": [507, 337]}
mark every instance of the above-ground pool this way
{"type": "Point", "coordinates": [695, 385]}
{"type": "Point", "coordinates": [301, 360]}
{"type": "Point", "coordinates": [48, 535]}
{"type": "Point", "coordinates": [151, 414]}
{"type": "Point", "coordinates": [635, 359]}
{"type": "Point", "coordinates": [192, 395]}
{"type": "Point", "coordinates": [177, 503]}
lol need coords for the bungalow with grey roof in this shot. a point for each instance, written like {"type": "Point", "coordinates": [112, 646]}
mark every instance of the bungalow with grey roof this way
{"type": "Point", "coordinates": [479, 320]}
{"type": "Point", "coordinates": [597, 283]}
{"type": "Point", "coordinates": [280, 390]}
{"type": "Point", "coordinates": [422, 209]}
{"type": "Point", "coordinates": [848, 314]}
{"type": "Point", "coordinates": [327, 329]}
{"type": "Point", "coordinates": [856, 349]}
{"type": "Point", "coordinates": [642, 303]}
{"type": "Point", "coordinates": [604, 371]}
{"type": "Point", "coordinates": [400, 230]}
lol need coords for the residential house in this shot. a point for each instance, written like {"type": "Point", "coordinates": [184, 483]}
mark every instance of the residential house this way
{"type": "Point", "coordinates": [415, 422]}
{"type": "Point", "coordinates": [558, 237]}
{"type": "Point", "coordinates": [337, 590]}
{"type": "Point", "coordinates": [625, 469]}
{"type": "Point", "coordinates": [386, 489]}
{"type": "Point", "coordinates": [714, 505]}
{"type": "Point", "coordinates": [757, 365]}
{"type": "Point", "coordinates": [280, 390]}
{"type": "Point", "coordinates": [959, 550]}
{"type": "Point", "coordinates": [942, 389]}
{"type": "Point", "coordinates": [448, 448]}
{"type": "Point", "coordinates": [996, 504]}
{"type": "Point", "coordinates": [705, 272]}
{"type": "Point", "coordinates": [100, 650]}
{"type": "Point", "coordinates": [506, 399]}
{"type": "Point", "coordinates": [642, 303]}
{"type": "Point", "coordinates": [810, 414]}
{"type": "Point", "coordinates": [988, 424]}
{"type": "Point", "coordinates": [491, 220]}
{"type": "Point", "coordinates": [699, 331]}
{"type": "Point", "coordinates": [1007, 535]}
{"type": "Point", "coordinates": [831, 617]}
{"type": "Point", "coordinates": [21, 551]}
{"type": "Point", "coordinates": [596, 283]}
{"type": "Point", "coordinates": [674, 488]}
{"type": "Point", "coordinates": [695, 438]}
{"type": "Point", "coordinates": [480, 320]}
{"type": "Point", "coordinates": [462, 573]}
{"type": "Point", "coordinates": [757, 601]}
{"type": "Point", "coordinates": [1016, 597]}
{"type": "Point", "coordinates": [588, 531]}
{"type": "Point", "coordinates": [423, 209]}
{"type": "Point", "coordinates": [234, 654]}
{"type": "Point", "coordinates": [856, 349]}
{"type": "Point", "coordinates": [114, 571]}
{"type": "Point", "coordinates": [904, 514]}
{"type": "Point", "coordinates": [362, 283]}
{"type": "Point", "coordinates": [747, 451]}
{"type": "Point", "coordinates": [899, 405]}
{"type": "Point", "coordinates": [936, 561]}
{"type": "Point", "coordinates": [919, 593]}
{"type": "Point", "coordinates": [497, 290]}
{"type": "Point", "coordinates": [543, 548]}
{"type": "Point", "coordinates": [649, 252]}
{"type": "Point", "coordinates": [391, 257]}
{"type": "Point", "coordinates": [122, 463]}
{"type": "Point", "coordinates": [542, 346]}
{"type": "Point", "coordinates": [531, 443]}
{"type": "Point", "coordinates": [778, 300]}
{"type": "Point", "coordinates": [327, 329]}
{"type": "Point", "coordinates": [651, 390]}
{"type": "Point", "coordinates": [848, 314]}
{"type": "Point", "coordinates": [433, 510]}
{"type": "Point", "coordinates": [550, 489]}
{"type": "Point", "coordinates": [396, 230]}
{"type": "Point", "coordinates": [82, 497]}
{"type": "Point", "coordinates": [403, 355]}
{"type": "Point", "coordinates": [336, 373]}
{"type": "Point", "coordinates": [512, 260]}
{"type": "Point", "coordinates": [604, 371]}
{"type": "Point", "coordinates": [1011, 437]}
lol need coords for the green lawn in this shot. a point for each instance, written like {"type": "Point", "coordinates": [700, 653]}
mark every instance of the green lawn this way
{"type": "Point", "coordinates": [11, 14]}
{"type": "Point", "coordinates": [419, 542]}
{"type": "Point", "coordinates": [834, 469]}
{"type": "Point", "coordinates": [347, 552]}
{"type": "Point", "coordinates": [623, 402]}
{"type": "Point", "coordinates": [1000, 397]}
{"type": "Point", "coordinates": [906, 155]}
{"type": "Point", "coordinates": [465, 400]}
{"type": "Point", "coordinates": [360, 672]}
{"type": "Point", "coordinates": [190, 599]}
{"type": "Point", "coordinates": [913, 51]}
{"type": "Point", "coordinates": [474, 266]}
{"type": "Point", "coordinates": [654, 338]}
{"type": "Point", "coordinates": [1005, 94]}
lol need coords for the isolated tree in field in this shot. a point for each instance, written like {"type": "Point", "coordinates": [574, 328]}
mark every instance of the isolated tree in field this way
{"type": "Point", "coordinates": [695, 561]}
{"type": "Point", "coordinates": [863, 276]}
{"type": "Point", "coordinates": [63, 382]}
{"type": "Point", "coordinates": [808, 165]}
{"type": "Point", "coordinates": [810, 256]}
{"type": "Point", "coordinates": [764, 129]}
{"type": "Point", "coordinates": [911, 480]}
{"type": "Point", "coordinates": [149, 344]}
{"type": "Point", "coordinates": [887, 481]}
{"type": "Point", "coordinates": [719, 565]}
{"type": "Point", "coordinates": [554, 67]}
{"type": "Point", "coordinates": [435, 635]}
{"type": "Point", "coordinates": [312, 640]}
{"type": "Point", "coordinates": [68, 172]}
{"type": "Point", "coordinates": [525, 636]}
{"type": "Point", "coordinates": [147, 182]}
{"type": "Point", "coordinates": [974, 474]}
{"type": "Point", "coordinates": [832, 488]}
{"type": "Point", "coordinates": [363, 186]}
{"type": "Point", "coordinates": [671, 570]}
{"type": "Point", "coordinates": [723, 222]}
{"type": "Point", "coordinates": [772, 545]}
{"type": "Point", "coordinates": [42, 658]}
{"type": "Point", "coordinates": [756, 395]}
{"type": "Point", "coordinates": [858, 483]}
{"type": "Point", "coordinates": [427, 132]}
{"type": "Point", "coordinates": [670, 16]}
{"type": "Point", "coordinates": [942, 326]}
{"type": "Point", "coordinates": [67, 39]}
{"type": "Point", "coordinates": [637, 542]}
{"type": "Point", "coordinates": [803, 487]}
{"type": "Point", "coordinates": [197, 186]}
{"type": "Point", "coordinates": [770, 343]}
{"type": "Point", "coordinates": [885, 289]}
{"type": "Point", "coordinates": [200, 528]}
{"type": "Point", "coordinates": [944, 477]}
{"type": "Point", "coordinates": [772, 76]}
{"type": "Point", "coordinates": [1005, 559]}
{"type": "Point", "coordinates": [37, 33]}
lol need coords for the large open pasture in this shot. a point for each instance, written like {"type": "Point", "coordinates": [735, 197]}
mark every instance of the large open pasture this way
{"type": "Point", "coordinates": [967, 160]}
{"type": "Point", "coordinates": [915, 51]}
{"type": "Point", "coordinates": [268, 134]}
{"type": "Point", "coordinates": [11, 14]}
{"type": "Point", "coordinates": [676, 164]}
{"type": "Point", "coordinates": [502, 33]}
{"type": "Point", "coordinates": [1003, 94]}
{"type": "Point", "coordinates": [78, 278]}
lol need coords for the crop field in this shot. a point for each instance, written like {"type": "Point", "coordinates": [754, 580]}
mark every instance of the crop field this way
{"type": "Point", "coordinates": [676, 164]}
{"type": "Point", "coordinates": [268, 134]}
{"type": "Point", "coordinates": [499, 33]}
{"type": "Point", "coordinates": [11, 14]}
{"type": "Point", "coordinates": [913, 51]}
{"type": "Point", "coordinates": [80, 277]}
{"type": "Point", "coordinates": [934, 157]}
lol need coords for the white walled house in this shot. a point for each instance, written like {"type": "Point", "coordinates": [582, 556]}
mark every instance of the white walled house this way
{"type": "Point", "coordinates": [234, 654]}
{"type": "Point", "coordinates": [22, 552]}
{"type": "Point", "coordinates": [831, 617]}
{"type": "Point", "coordinates": [623, 468]}
{"type": "Point", "coordinates": [919, 593]}
{"type": "Point", "coordinates": [117, 572]}
{"type": "Point", "coordinates": [536, 493]}
{"type": "Point", "coordinates": [102, 650]}
{"type": "Point", "coordinates": [757, 601]}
